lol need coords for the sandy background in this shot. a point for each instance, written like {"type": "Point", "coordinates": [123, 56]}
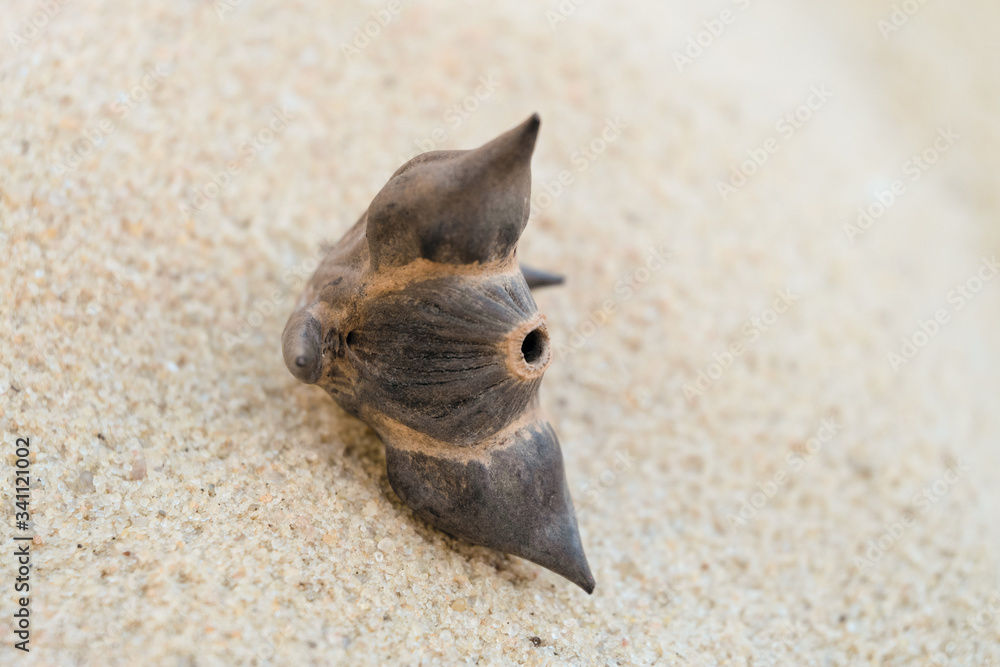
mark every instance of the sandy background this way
{"type": "Point", "coordinates": [141, 308]}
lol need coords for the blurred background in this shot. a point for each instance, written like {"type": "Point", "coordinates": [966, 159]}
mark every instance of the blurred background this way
{"type": "Point", "coordinates": [776, 385]}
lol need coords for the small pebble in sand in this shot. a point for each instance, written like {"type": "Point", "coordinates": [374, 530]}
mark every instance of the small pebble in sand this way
{"type": "Point", "coordinates": [138, 467]}
{"type": "Point", "coordinates": [85, 482]}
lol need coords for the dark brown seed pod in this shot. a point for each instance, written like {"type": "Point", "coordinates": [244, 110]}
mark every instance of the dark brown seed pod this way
{"type": "Point", "coordinates": [420, 322]}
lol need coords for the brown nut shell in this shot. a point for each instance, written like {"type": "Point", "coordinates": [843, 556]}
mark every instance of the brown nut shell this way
{"type": "Point", "coordinates": [421, 323]}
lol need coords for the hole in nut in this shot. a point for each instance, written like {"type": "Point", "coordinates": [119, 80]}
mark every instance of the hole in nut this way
{"type": "Point", "coordinates": [533, 346]}
{"type": "Point", "coordinates": [352, 338]}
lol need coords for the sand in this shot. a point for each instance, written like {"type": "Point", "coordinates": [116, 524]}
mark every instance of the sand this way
{"type": "Point", "coordinates": [758, 480]}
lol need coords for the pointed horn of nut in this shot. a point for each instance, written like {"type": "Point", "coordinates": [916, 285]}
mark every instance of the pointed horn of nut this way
{"type": "Point", "coordinates": [538, 278]}
{"type": "Point", "coordinates": [456, 207]}
{"type": "Point", "coordinates": [512, 497]}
